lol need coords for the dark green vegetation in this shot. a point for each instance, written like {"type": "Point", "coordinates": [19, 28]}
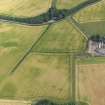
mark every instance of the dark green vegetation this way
{"type": "Point", "coordinates": [97, 38]}
{"type": "Point", "coordinates": [48, 102]}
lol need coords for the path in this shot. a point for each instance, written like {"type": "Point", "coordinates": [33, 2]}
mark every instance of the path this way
{"type": "Point", "coordinates": [29, 50]}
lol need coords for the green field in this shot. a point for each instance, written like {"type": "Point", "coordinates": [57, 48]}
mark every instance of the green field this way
{"type": "Point", "coordinates": [92, 13]}
{"type": "Point", "coordinates": [14, 42]}
{"type": "Point", "coordinates": [24, 8]}
{"type": "Point", "coordinates": [34, 78]}
{"type": "Point", "coordinates": [67, 4]}
{"type": "Point", "coordinates": [94, 28]}
{"type": "Point", "coordinates": [61, 37]}
{"type": "Point", "coordinates": [43, 56]}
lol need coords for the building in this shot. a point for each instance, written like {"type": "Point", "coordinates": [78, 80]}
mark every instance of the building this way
{"type": "Point", "coordinates": [96, 46]}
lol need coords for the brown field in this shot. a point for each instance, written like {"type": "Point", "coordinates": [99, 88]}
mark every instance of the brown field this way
{"type": "Point", "coordinates": [92, 83]}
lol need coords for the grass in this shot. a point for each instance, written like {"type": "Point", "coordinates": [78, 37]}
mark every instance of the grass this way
{"type": "Point", "coordinates": [61, 37]}
{"type": "Point", "coordinates": [91, 60]}
{"type": "Point", "coordinates": [24, 8]}
{"type": "Point", "coordinates": [94, 28]}
{"type": "Point", "coordinates": [95, 12]}
{"type": "Point", "coordinates": [14, 42]}
{"type": "Point", "coordinates": [67, 4]}
{"type": "Point", "coordinates": [41, 75]}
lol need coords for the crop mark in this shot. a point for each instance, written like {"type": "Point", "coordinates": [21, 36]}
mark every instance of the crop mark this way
{"type": "Point", "coordinates": [29, 50]}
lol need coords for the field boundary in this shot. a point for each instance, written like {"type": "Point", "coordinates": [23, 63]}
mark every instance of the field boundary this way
{"type": "Point", "coordinates": [77, 27]}
{"type": "Point", "coordinates": [93, 21]}
{"type": "Point", "coordinates": [29, 50]}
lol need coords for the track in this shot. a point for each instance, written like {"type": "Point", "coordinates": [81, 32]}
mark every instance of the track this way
{"type": "Point", "coordinates": [28, 51]}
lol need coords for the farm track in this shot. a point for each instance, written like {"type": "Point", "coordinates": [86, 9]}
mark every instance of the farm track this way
{"type": "Point", "coordinates": [78, 27]}
{"type": "Point", "coordinates": [29, 50]}
{"type": "Point", "coordinates": [73, 76]}
{"type": "Point", "coordinates": [41, 20]}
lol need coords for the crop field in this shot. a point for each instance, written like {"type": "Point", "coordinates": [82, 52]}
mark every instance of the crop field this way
{"type": "Point", "coordinates": [54, 40]}
{"type": "Point", "coordinates": [67, 4]}
{"type": "Point", "coordinates": [14, 42]}
{"type": "Point", "coordinates": [24, 8]}
{"type": "Point", "coordinates": [41, 74]}
{"type": "Point", "coordinates": [92, 13]}
{"type": "Point", "coordinates": [34, 78]}
{"type": "Point", "coordinates": [38, 62]}
{"type": "Point", "coordinates": [94, 28]}
{"type": "Point", "coordinates": [91, 83]}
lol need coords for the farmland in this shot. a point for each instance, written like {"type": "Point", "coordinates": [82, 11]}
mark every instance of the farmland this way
{"type": "Point", "coordinates": [24, 8]}
{"type": "Point", "coordinates": [94, 28]}
{"type": "Point", "coordinates": [40, 62]}
{"type": "Point", "coordinates": [91, 83]}
{"type": "Point", "coordinates": [37, 78]}
{"type": "Point", "coordinates": [54, 40]}
{"type": "Point", "coordinates": [14, 43]}
{"type": "Point", "coordinates": [92, 13]}
{"type": "Point", "coordinates": [67, 4]}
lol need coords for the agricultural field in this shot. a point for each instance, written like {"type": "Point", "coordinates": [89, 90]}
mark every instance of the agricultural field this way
{"type": "Point", "coordinates": [38, 79]}
{"type": "Point", "coordinates": [54, 40]}
{"type": "Point", "coordinates": [67, 4]}
{"type": "Point", "coordinates": [93, 28]}
{"type": "Point", "coordinates": [39, 61]}
{"type": "Point", "coordinates": [91, 77]}
{"type": "Point", "coordinates": [92, 13]}
{"type": "Point", "coordinates": [14, 42]}
{"type": "Point", "coordinates": [24, 8]}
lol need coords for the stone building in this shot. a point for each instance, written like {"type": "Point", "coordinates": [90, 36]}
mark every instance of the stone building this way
{"type": "Point", "coordinates": [96, 46]}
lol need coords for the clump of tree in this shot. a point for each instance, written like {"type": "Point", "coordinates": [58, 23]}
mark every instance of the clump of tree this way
{"type": "Point", "coordinates": [97, 38]}
{"type": "Point", "coordinates": [48, 102]}
{"type": "Point", "coordinates": [44, 102]}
